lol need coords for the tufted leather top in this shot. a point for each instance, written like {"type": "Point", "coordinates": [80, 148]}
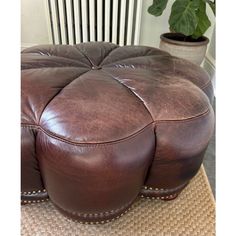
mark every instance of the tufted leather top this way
{"type": "Point", "coordinates": [100, 122]}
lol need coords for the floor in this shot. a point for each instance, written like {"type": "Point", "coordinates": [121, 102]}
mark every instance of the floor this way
{"type": "Point", "coordinates": [209, 161]}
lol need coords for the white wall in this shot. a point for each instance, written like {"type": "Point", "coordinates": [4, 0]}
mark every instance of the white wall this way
{"type": "Point", "coordinates": [33, 23]}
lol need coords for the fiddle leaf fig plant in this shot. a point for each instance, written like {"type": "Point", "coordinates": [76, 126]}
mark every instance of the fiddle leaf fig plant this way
{"type": "Point", "coordinates": [187, 17]}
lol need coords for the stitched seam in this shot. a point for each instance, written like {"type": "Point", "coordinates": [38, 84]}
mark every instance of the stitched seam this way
{"type": "Point", "coordinates": [99, 64]}
{"type": "Point", "coordinates": [46, 67]}
{"type": "Point", "coordinates": [145, 55]}
{"type": "Point", "coordinates": [108, 54]}
{"type": "Point", "coordinates": [77, 77]}
{"type": "Point", "coordinates": [56, 66]}
{"type": "Point", "coordinates": [187, 119]}
{"type": "Point", "coordinates": [49, 54]}
{"type": "Point", "coordinates": [132, 92]}
{"type": "Point", "coordinates": [160, 55]}
{"type": "Point", "coordinates": [158, 71]}
{"type": "Point", "coordinates": [52, 135]}
{"type": "Point", "coordinates": [90, 61]}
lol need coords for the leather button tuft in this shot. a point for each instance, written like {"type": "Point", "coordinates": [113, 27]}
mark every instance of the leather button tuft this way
{"type": "Point", "coordinates": [96, 67]}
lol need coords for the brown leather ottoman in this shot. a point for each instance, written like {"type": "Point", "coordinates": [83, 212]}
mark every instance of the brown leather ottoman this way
{"type": "Point", "coordinates": [103, 124]}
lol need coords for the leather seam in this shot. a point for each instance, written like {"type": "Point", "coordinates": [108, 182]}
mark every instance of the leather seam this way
{"type": "Point", "coordinates": [65, 58]}
{"type": "Point", "coordinates": [128, 58]}
{"type": "Point", "coordinates": [100, 64]}
{"type": "Point", "coordinates": [132, 92]}
{"type": "Point", "coordinates": [186, 119]}
{"type": "Point", "coordinates": [52, 135]}
{"type": "Point", "coordinates": [52, 67]}
{"type": "Point", "coordinates": [89, 60]}
{"type": "Point", "coordinates": [50, 100]}
{"type": "Point", "coordinates": [53, 55]}
{"type": "Point", "coordinates": [112, 50]}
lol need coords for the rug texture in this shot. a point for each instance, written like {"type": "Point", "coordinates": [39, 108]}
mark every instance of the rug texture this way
{"type": "Point", "coordinates": [191, 214]}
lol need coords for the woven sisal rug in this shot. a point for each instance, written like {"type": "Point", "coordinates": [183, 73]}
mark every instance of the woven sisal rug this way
{"type": "Point", "coordinates": [192, 213]}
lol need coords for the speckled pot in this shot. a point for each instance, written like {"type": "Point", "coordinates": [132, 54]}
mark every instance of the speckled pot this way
{"type": "Point", "coordinates": [193, 51]}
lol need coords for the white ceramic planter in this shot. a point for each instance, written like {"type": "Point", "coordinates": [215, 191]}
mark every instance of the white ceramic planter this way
{"type": "Point", "coordinates": [192, 51]}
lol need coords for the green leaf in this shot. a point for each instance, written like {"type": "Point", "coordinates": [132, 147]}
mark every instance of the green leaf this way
{"type": "Point", "coordinates": [203, 20]}
{"type": "Point", "coordinates": [183, 18]}
{"type": "Point", "coordinates": [157, 7]}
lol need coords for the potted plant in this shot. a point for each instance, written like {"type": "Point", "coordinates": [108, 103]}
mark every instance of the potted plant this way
{"type": "Point", "coordinates": [188, 22]}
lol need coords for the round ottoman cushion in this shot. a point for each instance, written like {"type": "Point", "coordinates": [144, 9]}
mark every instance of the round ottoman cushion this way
{"type": "Point", "coordinates": [102, 124]}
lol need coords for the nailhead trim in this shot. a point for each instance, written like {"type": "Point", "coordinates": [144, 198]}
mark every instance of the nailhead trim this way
{"type": "Point", "coordinates": [34, 201]}
{"type": "Point", "coordinates": [151, 188]}
{"type": "Point", "coordinates": [34, 192]}
{"type": "Point", "coordinates": [102, 214]}
{"type": "Point", "coordinates": [165, 197]}
{"type": "Point", "coordinates": [103, 221]}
